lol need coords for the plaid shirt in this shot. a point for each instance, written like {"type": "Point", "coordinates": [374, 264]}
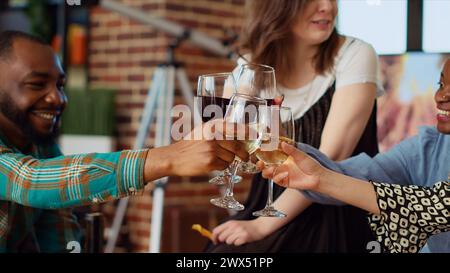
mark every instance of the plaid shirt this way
{"type": "Point", "coordinates": [36, 191]}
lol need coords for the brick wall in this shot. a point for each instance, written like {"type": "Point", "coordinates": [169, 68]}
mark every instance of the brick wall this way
{"type": "Point", "coordinates": [123, 55]}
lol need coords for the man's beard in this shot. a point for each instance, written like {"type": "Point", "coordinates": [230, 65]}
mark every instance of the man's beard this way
{"type": "Point", "coordinates": [20, 119]}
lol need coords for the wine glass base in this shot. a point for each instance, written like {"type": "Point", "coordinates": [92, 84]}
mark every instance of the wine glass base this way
{"type": "Point", "coordinates": [248, 168]}
{"type": "Point", "coordinates": [269, 212]}
{"type": "Point", "coordinates": [227, 202]}
{"type": "Point", "coordinates": [220, 180]}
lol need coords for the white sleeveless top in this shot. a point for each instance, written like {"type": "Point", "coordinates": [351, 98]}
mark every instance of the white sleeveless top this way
{"type": "Point", "coordinates": [356, 62]}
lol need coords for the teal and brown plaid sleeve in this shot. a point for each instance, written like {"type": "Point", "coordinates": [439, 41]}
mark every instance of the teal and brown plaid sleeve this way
{"type": "Point", "coordinates": [55, 229]}
{"type": "Point", "coordinates": [69, 181]}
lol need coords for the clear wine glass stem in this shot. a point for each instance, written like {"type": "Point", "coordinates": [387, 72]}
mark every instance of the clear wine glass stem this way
{"type": "Point", "coordinates": [270, 194]}
{"type": "Point", "coordinates": [269, 210]}
{"type": "Point", "coordinates": [230, 185]}
{"type": "Point", "coordinates": [270, 191]}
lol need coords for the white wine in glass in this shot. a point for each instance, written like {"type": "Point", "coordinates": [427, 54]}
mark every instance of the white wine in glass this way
{"type": "Point", "coordinates": [243, 116]}
{"type": "Point", "coordinates": [280, 124]}
{"type": "Point", "coordinates": [274, 157]}
{"type": "Point", "coordinates": [256, 80]}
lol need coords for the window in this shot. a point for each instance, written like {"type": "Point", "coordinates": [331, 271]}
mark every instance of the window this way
{"type": "Point", "coordinates": [436, 26]}
{"type": "Point", "coordinates": [382, 23]}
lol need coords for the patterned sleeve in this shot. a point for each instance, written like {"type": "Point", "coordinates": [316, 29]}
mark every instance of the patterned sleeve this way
{"type": "Point", "coordinates": [410, 215]}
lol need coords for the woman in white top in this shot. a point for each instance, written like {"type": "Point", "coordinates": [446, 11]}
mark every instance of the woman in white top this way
{"type": "Point", "coordinates": [331, 83]}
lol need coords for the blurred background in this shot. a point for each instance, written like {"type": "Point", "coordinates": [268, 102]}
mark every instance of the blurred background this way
{"type": "Point", "coordinates": [110, 60]}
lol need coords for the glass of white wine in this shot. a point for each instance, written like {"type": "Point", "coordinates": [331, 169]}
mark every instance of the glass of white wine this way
{"type": "Point", "coordinates": [242, 124]}
{"type": "Point", "coordinates": [257, 80]}
{"type": "Point", "coordinates": [280, 128]}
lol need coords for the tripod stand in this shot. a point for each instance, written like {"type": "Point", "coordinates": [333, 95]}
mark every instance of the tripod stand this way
{"type": "Point", "coordinates": [159, 98]}
{"type": "Point", "coordinates": [162, 90]}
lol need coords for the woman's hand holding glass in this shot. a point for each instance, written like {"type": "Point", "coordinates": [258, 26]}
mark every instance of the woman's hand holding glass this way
{"type": "Point", "coordinates": [300, 171]}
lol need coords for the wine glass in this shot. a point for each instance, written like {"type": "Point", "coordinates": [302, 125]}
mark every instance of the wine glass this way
{"type": "Point", "coordinates": [280, 128]}
{"type": "Point", "coordinates": [242, 116]}
{"type": "Point", "coordinates": [257, 80]}
{"type": "Point", "coordinates": [213, 96]}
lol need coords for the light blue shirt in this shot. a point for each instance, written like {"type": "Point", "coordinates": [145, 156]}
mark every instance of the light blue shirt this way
{"type": "Point", "coordinates": [421, 160]}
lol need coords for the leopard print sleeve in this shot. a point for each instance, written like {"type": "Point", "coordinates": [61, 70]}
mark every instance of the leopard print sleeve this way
{"type": "Point", "coordinates": [409, 215]}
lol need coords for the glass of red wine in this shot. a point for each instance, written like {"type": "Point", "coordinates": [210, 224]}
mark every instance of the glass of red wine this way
{"type": "Point", "coordinates": [213, 96]}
